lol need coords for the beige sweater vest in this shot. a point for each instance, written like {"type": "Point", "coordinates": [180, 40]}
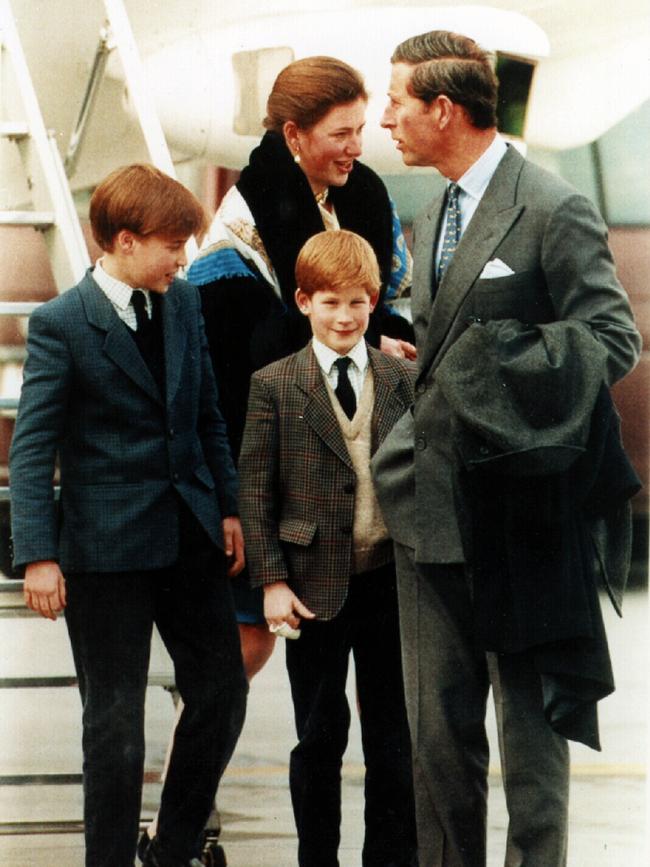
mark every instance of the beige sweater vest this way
{"type": "Point", "coordinates": [371, 545]}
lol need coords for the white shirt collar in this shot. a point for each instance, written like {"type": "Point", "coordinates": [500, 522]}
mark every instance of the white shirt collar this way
{"type": "Point", "coordinates": [475, 180]}
{"type": "Point", "coordinates": [326, 356]}
{"type": "Point", "coordinates": [117, 292]}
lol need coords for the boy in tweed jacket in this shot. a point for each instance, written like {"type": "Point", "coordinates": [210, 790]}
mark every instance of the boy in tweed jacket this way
{"type": "Point", "coordinates": [317, 543]}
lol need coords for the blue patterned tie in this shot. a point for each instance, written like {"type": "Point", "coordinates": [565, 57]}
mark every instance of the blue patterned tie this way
{"type": "Point", "coordinates": [452, 231]}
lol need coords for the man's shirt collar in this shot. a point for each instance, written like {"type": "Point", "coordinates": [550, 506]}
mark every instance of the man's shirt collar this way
{"type": "Point", "coordinates": [477, 177]}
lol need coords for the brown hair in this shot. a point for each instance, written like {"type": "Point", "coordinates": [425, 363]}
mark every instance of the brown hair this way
{"type": "Point", "coordinates": [307, 89]}
{"type": "Point", "coordinates": [145, 201]}
{"type": "Point", "coordinates": [337, 260]}
{"type": "Point", "coordinates": [453, 65]}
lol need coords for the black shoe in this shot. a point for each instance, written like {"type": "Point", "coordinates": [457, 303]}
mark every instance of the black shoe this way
{"type": "Point", "coordinates": [155, 857]}
{"type": "Point", "coordinates": [213, 854]}
{"type": "Point", "coordinates": [143, 845]}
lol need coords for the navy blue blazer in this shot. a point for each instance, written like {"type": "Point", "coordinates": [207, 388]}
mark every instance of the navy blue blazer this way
{"type": "Point", "coordinates": [125, 451]}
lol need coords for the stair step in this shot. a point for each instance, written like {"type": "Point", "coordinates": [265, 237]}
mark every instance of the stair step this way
{"type": "Point", "coordinates": [37, 219]}
{"type": "Point", "coordinates": [17, 129]}
{"type": "Point", "coordinates": [18, 308]}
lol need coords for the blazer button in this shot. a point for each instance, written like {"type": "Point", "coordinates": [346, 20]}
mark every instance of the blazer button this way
{"type": "Point", "coordinates": [349, 488]}
{"type": "Point", "coordinates": [420, 444]}
{"type": "Point", "coordinates": [420, 388]}
{"type": "Point", "coordinates": [347, 531]}
{"type": "Point", "coordinates": [172, 433]}
{"type": "Point", "coordinates": [484, 450]}
{"type": "Point", "coordinates": [175, 477]}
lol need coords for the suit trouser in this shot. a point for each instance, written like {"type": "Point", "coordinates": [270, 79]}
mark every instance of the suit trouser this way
{"type": "Point", "coordinates": [446, 679]}
{"type": "Point", "coordinates": [317, 664]}
{"type": "Point", "coordinates": [110, 617]}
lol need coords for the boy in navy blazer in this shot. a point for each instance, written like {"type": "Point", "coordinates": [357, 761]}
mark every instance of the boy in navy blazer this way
{"type": "Point", "coordinates": [318, 544]}
{"type": "Point", "coordinates": [119, 388]}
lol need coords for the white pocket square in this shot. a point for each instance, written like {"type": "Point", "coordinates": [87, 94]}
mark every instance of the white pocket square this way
{"type": "Point", "coordinates": [495, 268]}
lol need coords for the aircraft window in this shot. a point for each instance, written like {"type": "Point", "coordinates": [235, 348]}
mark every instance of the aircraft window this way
{"type": "Point", "coordinates": [610, 170]}
{"type": "Point", "coordinates": [255, 72]}
{"type": "Point", "coordinates": [624, 159]}
{"type": "Point", "coordinates": [515, 78]}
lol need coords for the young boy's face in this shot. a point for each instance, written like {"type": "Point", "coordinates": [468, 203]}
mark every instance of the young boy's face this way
{"type": "Point", "coordinates": [338, 317]}
{"type": "Point", "coordinates": [149, 262]}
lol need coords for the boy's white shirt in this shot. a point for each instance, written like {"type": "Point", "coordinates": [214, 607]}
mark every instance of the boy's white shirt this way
{"type": "Point", "coordinates": [119, 294]}
{"type": "Point", "coordinates": [356, 371]}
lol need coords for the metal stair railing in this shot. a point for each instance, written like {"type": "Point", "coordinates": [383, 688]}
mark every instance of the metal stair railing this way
{"type": "Point", "coordinates": [52, 211]}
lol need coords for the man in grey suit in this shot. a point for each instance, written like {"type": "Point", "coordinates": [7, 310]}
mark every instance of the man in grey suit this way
{"type": "Point", "coordinates": [520, 326]}
{"type": "Point", "coordinates": [119, 387]}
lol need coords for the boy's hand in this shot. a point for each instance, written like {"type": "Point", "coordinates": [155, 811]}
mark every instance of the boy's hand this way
{"type": "Point", "coordinates": [233, 545]}
{"type": "Point", "coordinates": [44, 588]}
{"type": "Point", "coordinates": [281, 605]}
{"type": "Point", "coordinates": [398, 348]}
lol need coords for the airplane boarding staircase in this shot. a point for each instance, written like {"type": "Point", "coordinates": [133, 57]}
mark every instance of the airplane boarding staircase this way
{"type": "Point", "coordinates": [51, 210]}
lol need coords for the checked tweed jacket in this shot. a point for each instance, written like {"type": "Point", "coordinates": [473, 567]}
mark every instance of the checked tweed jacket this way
{"type": "Point", "coordinates": [297, 483]}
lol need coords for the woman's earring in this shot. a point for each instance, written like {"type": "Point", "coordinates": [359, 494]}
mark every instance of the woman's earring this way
{"type": "Point", "coordinates": [296, 158]}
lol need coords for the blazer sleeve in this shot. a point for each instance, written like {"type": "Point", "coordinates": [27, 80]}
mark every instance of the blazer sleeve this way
{"type": "Point", "coordinates": [260, 491]}
{"type": "Point", "coordinates": [39, 428]}
{"type": "Point", "coordinates": [581, 279]}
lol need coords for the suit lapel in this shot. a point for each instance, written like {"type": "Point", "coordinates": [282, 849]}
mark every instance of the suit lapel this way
{"type": "Point", "coordinates": [390, 400]}
{"type": "Point", "coordinates": [119, 346]}
{"type": "Point", "coordinates": [318, 411]}
{"type": "Point", "coordinates": [175, 337]}
{"type": "Point", "coordinates": [491, 222]}
{"type": "Point", "coordinates": [428, 228]}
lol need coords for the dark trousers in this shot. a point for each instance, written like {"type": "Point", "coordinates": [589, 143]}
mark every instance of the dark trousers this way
{"type": "Point", "coordinates": [317, 664]}
{"type": "Point", "coordinates": [447, 678]}
{"type": "Point", "coordinates": [110, 617]}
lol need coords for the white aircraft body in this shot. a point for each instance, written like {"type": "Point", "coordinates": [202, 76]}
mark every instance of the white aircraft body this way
{"type": "Point", "coordinates": [208, 66]}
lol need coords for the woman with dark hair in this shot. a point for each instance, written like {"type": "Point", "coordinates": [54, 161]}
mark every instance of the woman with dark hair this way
{"type": "Point", "coordinates": [302, 178]}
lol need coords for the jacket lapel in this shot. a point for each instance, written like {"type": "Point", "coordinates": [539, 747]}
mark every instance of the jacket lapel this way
{"type": "Point", "coordinates": [428, 228]}
{"type": "Point", "coordinates": [318, 411]}
{"type": "Point", "coordinates": [119, 346]}
{"type": "Point", "coordinates": [491, 222]}
{"type": "Point", "coordinates": [175, 337]}
{"type": "Point", "coordinates": [391, 398]}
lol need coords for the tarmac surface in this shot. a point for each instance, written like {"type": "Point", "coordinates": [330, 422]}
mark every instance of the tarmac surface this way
{"type": "Point", "coordinates": [40, 819]}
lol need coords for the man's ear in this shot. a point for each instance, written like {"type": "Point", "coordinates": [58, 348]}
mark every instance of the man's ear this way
{"type": "Point", "coordinates": [303, 301]}
{"type": "Point", "coordinates": [374, 298]}
{"type": "Point", "coordinates": [445, 110]}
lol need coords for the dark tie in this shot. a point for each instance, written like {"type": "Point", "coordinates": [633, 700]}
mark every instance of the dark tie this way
{"type": "Point", "coordinates": [344, 390]}
{"type": "Point", "coordinates": [139, 303]}
{"type": "Point", "coordinates": [148, 336]}
{"type": "Point", "coordinates": [452, 231]}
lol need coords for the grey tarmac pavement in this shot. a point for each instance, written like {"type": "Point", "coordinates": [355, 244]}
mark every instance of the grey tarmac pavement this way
{"type": "Point", "coordinates": [40, 733]}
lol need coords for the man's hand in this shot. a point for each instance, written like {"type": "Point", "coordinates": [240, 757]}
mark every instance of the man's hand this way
{"type": "Point", "coordinates": [281, 605]}
{"type": "Point", "coordinates": [398, 348]}
{"type": "Point", "coordinates": [44, 588]}
{"type": "Point", "coordinates": [233, 545]}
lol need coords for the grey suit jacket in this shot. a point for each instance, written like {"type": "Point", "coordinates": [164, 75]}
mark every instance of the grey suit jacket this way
{"type": "Point", "coordinates": [297, 477]}
{"type": "Point", "coordinates": [556, 245]}
{"type": "Point", "coordinates": [125, 451]}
